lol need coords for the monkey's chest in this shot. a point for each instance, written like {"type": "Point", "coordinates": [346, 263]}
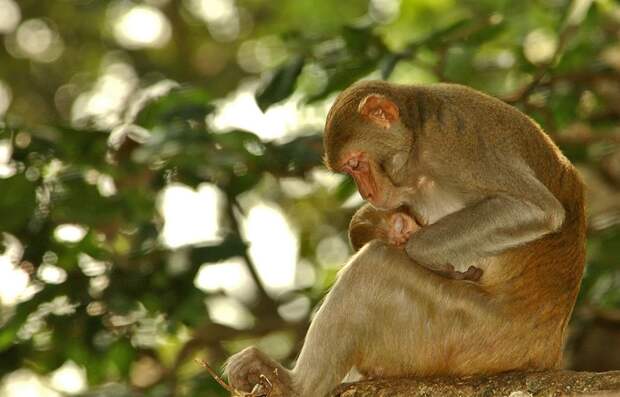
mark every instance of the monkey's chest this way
{"type": "Point", "coordinates": [430, 202]}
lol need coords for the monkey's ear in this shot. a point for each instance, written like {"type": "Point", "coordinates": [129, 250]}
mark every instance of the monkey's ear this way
{"type": "Point", "coordinates": [379, 109]}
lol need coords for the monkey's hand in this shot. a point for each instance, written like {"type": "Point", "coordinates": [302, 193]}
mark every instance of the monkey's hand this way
{"type": "Point", "coordinates": [472, 273]}
{"type": "Point", "coordinates": [400, 227]}
{"type": "Point", "coordinates": [253, 372]}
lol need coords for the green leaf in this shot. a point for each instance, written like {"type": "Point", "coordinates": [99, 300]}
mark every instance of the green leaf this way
{"type": "Point", "coordinates": [17, 202]}
{"type": "Point", "coordinates": [347, 74]}
{"type": "Point", "coordinates": [298, 156]}
{"type": "Point", "coordinates": [192, 310]}
{"type": "Point", "coordinates": [120, 356]}
{"type": "Point", "coordinates": [345, 189]}
{"type": "Point", "coordinates": [281, 84]}
{"type": "Point", "coordinates": [188, 103]}
{"type": "Point", "coordinates": [443, 35]}
{"type": "Point", "coordinates": [388, 64]}
{"type": "Point", "coordinates": [487, 33]}
{"type": "Point", "coordinates": [563, 107]}
{"type": "Point", "coordinates": [359, 39]}
{"type": "Point", "coordinates": [8, 335]}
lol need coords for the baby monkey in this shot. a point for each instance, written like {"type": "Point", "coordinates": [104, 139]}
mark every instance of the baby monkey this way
{"type": "Point", "coordinates": [395, 227]}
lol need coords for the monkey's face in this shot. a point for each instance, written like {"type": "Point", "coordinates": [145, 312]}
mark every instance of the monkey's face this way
{"type": "Point", "coordinates": [373, 147]}
{"type": "Point", "coordinates": [372, 179]}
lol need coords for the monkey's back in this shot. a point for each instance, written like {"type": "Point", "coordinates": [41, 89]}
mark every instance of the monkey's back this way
{"type": "Point", "coordinates": [540, 280]}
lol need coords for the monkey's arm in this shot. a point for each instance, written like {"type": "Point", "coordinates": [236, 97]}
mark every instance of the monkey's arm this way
{"type": "Point", "coordinates": [487, 227]}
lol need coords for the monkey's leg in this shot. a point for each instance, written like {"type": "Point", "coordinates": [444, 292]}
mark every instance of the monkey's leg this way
{"type": "Point", "coordinates": [372, 316]}
{"type": "Point", "coordinates": [377, 318]}
{"type": "Point", "coordinates": [338, 330]}
{"type": "Point", "coordinates": [333, 340]}
{"type": "Point", "coordinates": [377, 315]}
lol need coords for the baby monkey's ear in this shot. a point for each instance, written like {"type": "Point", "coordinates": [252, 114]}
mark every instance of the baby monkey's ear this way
{"type": "Point", "coordinates": [379, 109]}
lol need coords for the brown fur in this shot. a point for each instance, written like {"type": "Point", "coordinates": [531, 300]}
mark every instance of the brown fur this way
{"type": "Point", "coordinates": [368, 224]}
{"type": "Point", "coordinates": [490, 189]}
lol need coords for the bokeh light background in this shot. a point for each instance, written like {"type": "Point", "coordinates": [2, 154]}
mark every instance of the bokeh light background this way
{"type": "Point", "coordinates": [92, 64]}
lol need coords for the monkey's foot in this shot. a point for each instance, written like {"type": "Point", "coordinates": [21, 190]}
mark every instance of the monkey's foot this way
{"type": "Point", "coordinates": [251, 370]}
{"type": "Point", "coordinates": [401, 226]}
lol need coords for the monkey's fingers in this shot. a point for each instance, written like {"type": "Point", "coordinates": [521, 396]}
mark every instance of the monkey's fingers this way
{"type": "Point", "coordinates": [473, 273]}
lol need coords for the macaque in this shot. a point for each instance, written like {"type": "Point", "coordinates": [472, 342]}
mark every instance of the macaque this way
{"type": "Point", "coordinates": [486, 189]}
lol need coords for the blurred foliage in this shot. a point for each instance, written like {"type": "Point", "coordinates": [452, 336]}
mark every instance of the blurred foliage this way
{"type": "Point", "coordinates": [136, 320]}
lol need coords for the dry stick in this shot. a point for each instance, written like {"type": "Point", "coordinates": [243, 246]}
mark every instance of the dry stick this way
{"type": "Point", "coordinates": [215, 376]}
{"type": "Point", "coordinates": [262, 388]}
{"type": "Point", "coordinates": [544, 69]}
{"type": "Point", "coordinates": [262, 291]}
{"type": "Point", "coordinates": [264, 384]}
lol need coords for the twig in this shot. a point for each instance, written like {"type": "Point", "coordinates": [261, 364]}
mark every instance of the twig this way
{"type": "Point", "coordinates": [523, 93]}
{"type": "Point", "coordinates": [215, 376]}
{"type": "Point", "coordinates": [211, 335]}
{"type": "Point", "coordinates": [230, 211]}
{"type": "Point", "coordinates": [261, 389]}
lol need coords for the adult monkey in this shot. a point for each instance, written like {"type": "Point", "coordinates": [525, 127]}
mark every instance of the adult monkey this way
{"type": "Point", "coordinates": [491, 192]}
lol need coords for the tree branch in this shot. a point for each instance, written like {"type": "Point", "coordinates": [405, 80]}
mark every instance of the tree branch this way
{"type": "Point", "coordinates": [522, 384]}
{"type": "Point", "coordinates": [543, 70]}
{"type": "Point", "coordinates": [265, 301]}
